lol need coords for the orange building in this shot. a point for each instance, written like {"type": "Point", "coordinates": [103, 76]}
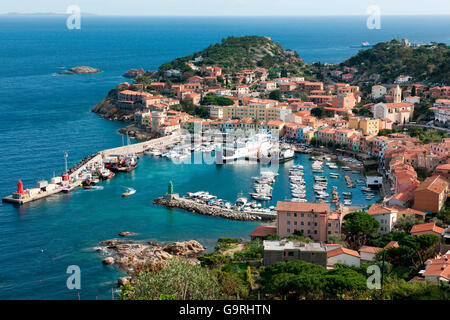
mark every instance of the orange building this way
{"type": "Point", "coordinates": [430, 195]}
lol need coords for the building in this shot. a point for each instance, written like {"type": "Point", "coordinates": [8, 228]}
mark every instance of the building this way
{"type": "Point", "coordinates": [386, 217]}
{"type": "Point", "coordinates": [431, 194]}
{"type": "Point", "coordinates": [263, 231]}
{"type": "Point", "coordinates": [378, 91]}
{"type": "Point", "coordinates": [283, 251]}
{"type": "Point", "coordinates": [343, 256]}
{"type": "Point", "coordinates": [438, 269]}
{"type": "Point", "coordinates": [344, 101]}
{"type": "Point", "coordinates": [403, 79]}
{"type": "Point", "coordinates": [427, 228]}
{"type": "Point", "coordinates": [267, 86]}
{"type": "Point", "coordinates": [216, 112]}
{"type": "Point", "coordinates": [309, 219]}
{"type": "Point", "coordinates": [368, 253]}
{"type": "Point", "coordinates": [401, 112]}
{"type": "Point", "coordinates": [368, 126]}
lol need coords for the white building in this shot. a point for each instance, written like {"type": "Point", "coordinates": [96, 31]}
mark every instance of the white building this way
{"type": "Point", "coordinates": [412, 100]}
{"type": "Point", "coordinates": [403, 79]}
{"type": "Point", "coordinates": [267, 86]}
{"type": "Point", "coordinates": [378, 91]}
{"type": "Point", "coordinates": [368, 253]}
{"type": "Point", "coordinates": [216, 112]}
{"type": "Point", "coordinates": [386, 217]}
{"type": "Point", "coordinates": [343, 256]}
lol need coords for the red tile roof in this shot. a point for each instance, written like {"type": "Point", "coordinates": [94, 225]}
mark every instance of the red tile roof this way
{"type": "Point", "coordinates": [263, 231]}
{"type": "Point", "coordinates": [424, 227]}
{"type": "Point", "coordinates": [369, 249]}
{"type": "Point", "coordinates": [342, 251]}
{"type": "Point", "coordinates": [392, 244]}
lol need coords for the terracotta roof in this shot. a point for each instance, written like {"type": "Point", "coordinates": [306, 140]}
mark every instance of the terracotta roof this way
{"type": "Point", "coordinates": [369, 249]}
{"type": "Point", "coordinates": [303, 207]}
{"type": "Point", "coordinates": [377, 209]}
{"type": "Point", "coordinates": [434, 184]}
{"type": "Point", "coordinates": [438, 269]}
{"type": "Point", "coordinates": [263, 231]}
{"type": "Point", "coordinates": [424, 227]}
{"type": "Point", "coordinates": [342, 251]}
{"type": "Point", "coordinates": [392, 244]}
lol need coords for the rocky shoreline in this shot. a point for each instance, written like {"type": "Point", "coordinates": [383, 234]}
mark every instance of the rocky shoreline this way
{"type": "Point", "coordinates": [132, 256]}
{"type": "Point", "coordinates": [204, 209]}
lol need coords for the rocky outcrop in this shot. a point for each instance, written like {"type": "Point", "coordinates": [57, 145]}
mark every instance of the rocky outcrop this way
{"type": "Point", "coordinates": [131, 256]}
{"type": "Point", "coordinates": [133, 73]}
{"type": "Point", "coordinates": [126, 234]}
{"type": "Point", "coordinates": [108, 110]}
{"type": "Point", "coordinates": [81, 70]}
{"type": "Point", "coordinates": [207, 210]}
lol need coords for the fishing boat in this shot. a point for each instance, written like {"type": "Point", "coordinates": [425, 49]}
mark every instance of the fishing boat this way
{"type": "Point", "coordinates": [347, 194]}
{"type": "Point", "coordinates": [106, 174]}
{"type": "Point", "coordinates": [129, 192]}
{"type": "Point", "coordinates": [334, 175]}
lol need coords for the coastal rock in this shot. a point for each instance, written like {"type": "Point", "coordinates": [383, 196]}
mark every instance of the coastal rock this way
{"type": "Point", "coordinates": [123, 281]}
{"type": "Point", "coordinates": [81, 70]}
{"type": "Point", "coordinates": [187, 248]}
{"type": "Point", "coordinates": [108, 260]}
{"type": "Point", "coordinates": [127, 234]}
{"type": "Point", "coordinates": [133, 73]}
{"type": "Point", "coordinates": [131, 256]}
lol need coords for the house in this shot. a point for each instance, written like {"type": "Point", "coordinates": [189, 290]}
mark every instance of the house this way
{"type": "Point", "coordinates": [368, 253]}
{"type": "Point", "coordinates": [431, 194]}
{"type": "Point", "coordinates": [391, 244]}
{"type": "Point", "coordinates": [343, 256]}
{"type": "Point", "coordinates": [368, 126]}
{"type": "Point", "coordinates": [279, 251]}
{"type": "Point", "coordinates": [267, 86]}
{"type": "Point", "coordinates": [263, 231]}
{"type": "Point", "coordinates": [403, 79]}
{"type": "Point", "coordinates": [427, 228]}
{"type": "Point", "coordinates": [386, 217]}
{"type": "Point", "coordinates": [437, 269]}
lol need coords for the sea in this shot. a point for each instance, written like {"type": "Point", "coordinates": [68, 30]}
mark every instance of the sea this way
{"type": "Point", "coordinates": [44, 114]}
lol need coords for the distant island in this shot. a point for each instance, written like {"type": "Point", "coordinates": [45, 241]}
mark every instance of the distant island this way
{"type": "Point", "coordinates": [81, 70]}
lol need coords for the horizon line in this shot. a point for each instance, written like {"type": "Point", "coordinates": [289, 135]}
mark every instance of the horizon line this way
{"type": "Point", "coordinates": [214, 16]}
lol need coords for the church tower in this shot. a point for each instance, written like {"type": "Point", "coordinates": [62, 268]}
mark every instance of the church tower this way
{"type": "Point", "coordinates": [397, 95]}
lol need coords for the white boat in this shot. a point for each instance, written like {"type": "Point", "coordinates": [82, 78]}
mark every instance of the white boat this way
{"type": "Point", "coordinates": [260, 197]}
{"type": "Point", "coordinates": [250, 147]}
{"type": "Point", "coordinates": [348, 202]}
{"type": "Point", "coordinates": [130, 191]}
{"type": "Point", "coordinates": [242, 201]}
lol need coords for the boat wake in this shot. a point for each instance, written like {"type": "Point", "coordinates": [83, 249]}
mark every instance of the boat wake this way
{"type": "Point", "coordinates": [95, 188]}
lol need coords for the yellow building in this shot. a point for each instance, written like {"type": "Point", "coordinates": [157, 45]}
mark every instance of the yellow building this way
{"type": "Point", "coordinates": [262, 111]}
{"type": "Point", "coordinates": [367, 125]}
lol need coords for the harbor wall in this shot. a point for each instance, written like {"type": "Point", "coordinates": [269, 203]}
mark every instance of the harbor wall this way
{"type": "Point", "coordinates": [200, 208]}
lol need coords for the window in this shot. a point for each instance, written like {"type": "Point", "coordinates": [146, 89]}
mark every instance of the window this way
{"type": "Point", "coordinates": [295, 223]}
{"type": "Point", "coordinates": [295, 215]}
{"type": "Point", "coordinates": [302, 215]}
{"type": "Point", "coordinates": [289, 230]}
{"type": "Point", "coordinates": [289, 214]}
{"type": "Point", "coordinates": [289, 223]}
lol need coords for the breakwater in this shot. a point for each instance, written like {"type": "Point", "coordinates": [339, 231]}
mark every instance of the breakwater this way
{"type": "Point", "coordinates": [208, 210]}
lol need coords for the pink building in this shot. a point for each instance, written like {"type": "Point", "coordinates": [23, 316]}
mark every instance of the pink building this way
{"type": "Point", "coordinates": [311, 219]}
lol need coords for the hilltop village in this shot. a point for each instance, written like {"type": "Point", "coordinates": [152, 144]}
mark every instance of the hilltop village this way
{"type": "Point", "coordinates": [398, 129]}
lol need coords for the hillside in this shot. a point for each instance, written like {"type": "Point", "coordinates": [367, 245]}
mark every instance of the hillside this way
{"type": "Point", "coordinates": [391, 59]}
{"type": "Point", "coordinates": [235, 54]}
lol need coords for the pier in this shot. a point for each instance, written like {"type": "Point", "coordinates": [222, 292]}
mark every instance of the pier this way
{"type": "Point", "coordinates": [174, 201]}
{"type": "Point", "coordinates": [78, 173]}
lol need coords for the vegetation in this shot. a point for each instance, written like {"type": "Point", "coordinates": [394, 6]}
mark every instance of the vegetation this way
{"type": "Point", "coordinates": [187, 106]}
{"type": "Point", "coordinates": [390, 60]}
{"type": "Point", "coordinates": [213, 100]}
{"type": "Point", "coordinates": [276, 95]}
{"type": "Point", "coordinates": [359, 228]}
{"type": "Point", "coordinates": [234, 54]}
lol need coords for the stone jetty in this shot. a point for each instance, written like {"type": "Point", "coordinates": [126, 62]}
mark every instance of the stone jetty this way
{"type": "Point", "coordinates": [193, 206]}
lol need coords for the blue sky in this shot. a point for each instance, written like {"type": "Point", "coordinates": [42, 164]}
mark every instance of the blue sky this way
{"type": "Point", "coordinates": [230, 7]}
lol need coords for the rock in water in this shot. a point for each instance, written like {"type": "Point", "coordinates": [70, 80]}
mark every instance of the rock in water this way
{"type": "Point", "coordinates": [127, 234]}
{"type": "Point", "coordinates": [81, 70]}
{"type": "Point", "coordinates": [108, 260]}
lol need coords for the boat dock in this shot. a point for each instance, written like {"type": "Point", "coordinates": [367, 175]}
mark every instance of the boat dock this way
{"type": "Point", "coordinates": [79, 172]}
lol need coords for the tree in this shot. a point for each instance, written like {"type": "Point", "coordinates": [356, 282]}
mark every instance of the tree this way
{"type": "Point", "coordinates": [406, 223]}
{"type": "Point", "coordinates": [275, 95]}
{"type": "Point", "coordinates": [317, 112]}
{"type": "Point", "coordinates": [359, 227]}
{"type": "Point", "coordinates": [212, 259]}
{"type": "Point", "coordinates": [178, 279]}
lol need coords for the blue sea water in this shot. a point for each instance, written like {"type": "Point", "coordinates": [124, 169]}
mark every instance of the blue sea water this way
{"type": "Point", "coordinates": [43, 114]}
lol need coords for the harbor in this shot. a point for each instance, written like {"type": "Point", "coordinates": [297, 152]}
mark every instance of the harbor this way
{"type": "Point", "coordinates": [89, 171]}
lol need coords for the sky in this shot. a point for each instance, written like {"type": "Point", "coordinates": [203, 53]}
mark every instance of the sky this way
{"type": "Point", "coordinates": [230, 7]}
